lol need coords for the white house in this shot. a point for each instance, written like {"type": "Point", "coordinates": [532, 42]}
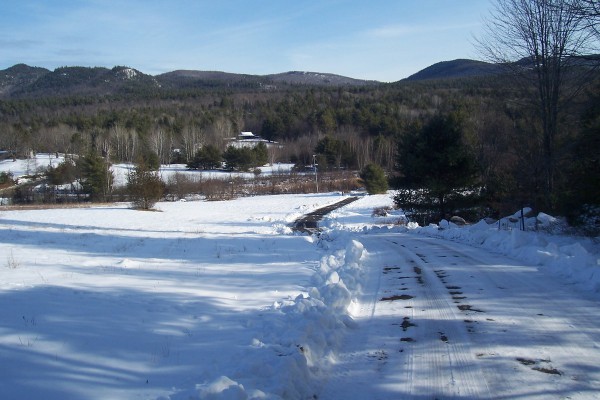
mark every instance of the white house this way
{"type": "Point", "coordinates": [249, 139]}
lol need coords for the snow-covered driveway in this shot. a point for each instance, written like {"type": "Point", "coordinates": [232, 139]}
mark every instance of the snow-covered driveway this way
{"type": "Point", "coordinates": [438, 319]}
{"type": "Point", "coordinates": [221, 300]}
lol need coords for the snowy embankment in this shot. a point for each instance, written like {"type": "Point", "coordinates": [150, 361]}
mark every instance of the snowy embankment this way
{"type": "Point", "coordinates": [299, 338]}
{"type": "Point", "coordinates": [574, 258]}
{"type": "Point", "coordinates": [198, 300]}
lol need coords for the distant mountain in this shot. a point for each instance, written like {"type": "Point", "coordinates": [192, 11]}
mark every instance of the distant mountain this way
{"type": "Point", "coordinates": [20, 81]}
{"type": "Point", "coordinates": [84, 81]}
{"type": "Point", "coordinates": [19, 76]}
{"type": "Point", "coordinates": [186, 78]}
{"type": "Point", "coordinates": [463, 68]}
{"type": "Point", "coordinates": [24, 81]}
{"type": "Point", "coordinates": [460, 68]}
{"type": "Point", "coordinates": [320, 79]}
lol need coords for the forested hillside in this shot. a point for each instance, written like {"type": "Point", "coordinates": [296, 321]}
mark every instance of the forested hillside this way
{"type": "Point", "coordinates": [124, 115]}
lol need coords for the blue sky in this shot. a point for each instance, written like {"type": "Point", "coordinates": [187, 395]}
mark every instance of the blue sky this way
{"type": "Point", "coordinates": [384, 40]}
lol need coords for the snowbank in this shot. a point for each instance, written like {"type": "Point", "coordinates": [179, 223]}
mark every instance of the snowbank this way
{"type": "Point", "coordinates": [299, 337]}
{"type": "Point", "coordinates": [576, 259]}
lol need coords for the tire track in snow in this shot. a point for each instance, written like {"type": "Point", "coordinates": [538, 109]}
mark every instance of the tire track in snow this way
{"type": "Point", "coordinates": [410, 339]}
{"type": "Point", "coordinates": [444, 364]}
{"type": "Point", "coordinates": [533, 330]}
{"type": "Point", "coordinates": [479, 325]}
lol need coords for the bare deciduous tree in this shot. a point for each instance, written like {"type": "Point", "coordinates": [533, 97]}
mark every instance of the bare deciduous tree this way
{"type": "Point", "coordinates": [219, 131]}
{"type": "Point", "coordinates": [124, 142]}
{"type": "Point", "coordinates": [541, 41]}
{"type": "Point", "coordinates": [590, 11]}
{"type": "Point", "coordinates": [192, 139]}
{"type": "Point", "coordinates": [160, 142]}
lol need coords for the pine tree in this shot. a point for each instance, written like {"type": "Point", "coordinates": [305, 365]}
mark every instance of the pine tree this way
{"type": "Point", "coordinates": [207, 158]}
{"type": "Point", "coordinates": [436, 165]}
{"type": "Point", "coordinates": [96, 177]}
{"type": "Point", "coordinates": [374, 179]}
{"type": "Point", "coordinates": [144, 187]}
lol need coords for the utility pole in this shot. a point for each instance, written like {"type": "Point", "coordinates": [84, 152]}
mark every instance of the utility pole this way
{"type": "Point", "coordinates": [315, 168]}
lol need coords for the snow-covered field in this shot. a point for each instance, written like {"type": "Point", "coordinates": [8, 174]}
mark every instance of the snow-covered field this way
{"type": "Point", "coordinates": [42, 161]}
{"type": "Point", "coordinates": [203, 300]}
{"type": "Point", "coordinates": [21, 167]}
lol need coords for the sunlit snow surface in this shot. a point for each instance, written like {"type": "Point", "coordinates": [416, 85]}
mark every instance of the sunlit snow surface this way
{"type": "Point", "coordinates": [222, 300]}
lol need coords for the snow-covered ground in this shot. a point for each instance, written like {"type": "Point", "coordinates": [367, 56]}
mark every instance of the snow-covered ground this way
{"type": "Point", "coordinates": [203, 300]}
{"type": "Point", "coordinates": [468, 312]}
{"type": "Point", "coordinates": [41, 161]}
{"type": "Point", "coordinates": [22, 167]}
{"type": "Point", "coordinates": [120, 172]}
{"type": "Point", "coordinates": [108, 302]}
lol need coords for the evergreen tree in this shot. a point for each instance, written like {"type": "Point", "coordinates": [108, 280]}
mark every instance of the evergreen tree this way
{"type": "Point", "coordinates": [144, 187]}
{"type": "Point", "coordinates": [261, 155]}
{"type": "Point", "coordinates": [234, 159]}
{"type": "Point", "coordinates": [245, 158]}
{"type": "Point", "coordinates": [65, 172]}
{"type": "Point", "coordinates": [207, 158]}
{"type": "Point", "coordinates": [436, 167]}
{"type": "Point", "coordinates": [581, 197]}
{"type": "Point", "coordinates": [96, 177]}
{"type": "Point", "coordinates": [272, 128]}
{"type": "Point", "coordinates": [374, 179]}
{"type": "Point", "coordinates": [151, 160]}
{"type": "Point", "coordinates": [335, 153]}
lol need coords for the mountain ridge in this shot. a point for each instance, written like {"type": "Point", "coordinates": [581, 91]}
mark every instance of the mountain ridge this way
{"type": "Point", "coordinates": [22, 80]}
{"type": "Point", "coordinates": [459, 68]}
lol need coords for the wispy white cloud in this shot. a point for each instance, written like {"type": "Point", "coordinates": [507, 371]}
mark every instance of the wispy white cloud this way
{"type": "Point", "coordinates": [402, 30]}
{"type": "Point", "coordinates": [18, 43]}
{"type": "Point", "coordinates": [392, 31]}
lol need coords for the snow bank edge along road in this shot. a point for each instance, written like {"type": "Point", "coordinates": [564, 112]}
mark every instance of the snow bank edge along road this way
{"type": "Point", "coordinates": [338, 282]}
{"type": "Point", "coordinates": [305, 337]}
{"type": "Point", "coordinates": [573, 258]}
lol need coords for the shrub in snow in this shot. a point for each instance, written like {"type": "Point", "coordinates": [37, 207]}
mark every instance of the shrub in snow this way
{"type": "Point", "coordinates": [144, 187]}
{"type": "Point", "coordinates": [6, 178]}
{"type": "Point", "coordinates": [458, 220]}
{"type": "Point", "coordinates": [588, 220]}
{"type": "Point", "coordinates": [383, 211]}
{"type": "Point", "coordinates": [11, 261]}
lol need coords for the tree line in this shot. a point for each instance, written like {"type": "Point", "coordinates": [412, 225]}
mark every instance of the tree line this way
{"type": "Point", "coordinates": [484, 145]}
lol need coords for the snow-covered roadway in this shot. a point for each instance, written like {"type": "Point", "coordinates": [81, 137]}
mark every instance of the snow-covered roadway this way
{"type": "Point", "coordinates": [221, 300]}
{"type": "Point", "coordinates": [438, 319]}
